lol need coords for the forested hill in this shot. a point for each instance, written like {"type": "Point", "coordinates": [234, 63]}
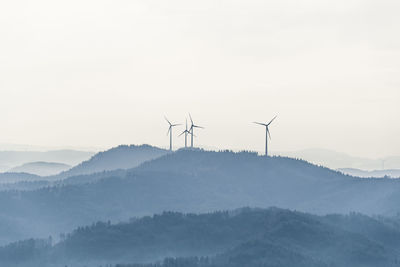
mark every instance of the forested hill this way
{"type": "Point", "coordinates": [246, 237]}
{"type": "Point", "coordinates": [121, 157]}
{"type": "Point", "coordinates": [11, 177]}
{"type": "Point", "coordinates": [194, 181]}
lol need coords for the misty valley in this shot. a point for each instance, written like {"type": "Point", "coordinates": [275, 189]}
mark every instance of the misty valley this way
{"type": "Point", "coordinates": [145, 206]}
{"type": "Point", "coordinates": [208, 133]}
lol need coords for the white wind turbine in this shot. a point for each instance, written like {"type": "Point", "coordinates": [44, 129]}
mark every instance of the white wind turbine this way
{"type": "Point", "coordinates": [186, 132]}
{"type": "Point", "coordinates": [191, 130]}
{"type": "Point", "coordinates": [266, 133]}
{"type": "Point", "coordinates": [170, 132]}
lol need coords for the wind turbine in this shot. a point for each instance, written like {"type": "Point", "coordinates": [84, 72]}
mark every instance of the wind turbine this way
{"type": "Point", "coordinates": [170, 132]}
{"type": "Point", "coordinates": [186, 132]}
{"type": "Point", "coordinates": [266, 133]}
{"type": "Point", "coordinates": [191, 130]}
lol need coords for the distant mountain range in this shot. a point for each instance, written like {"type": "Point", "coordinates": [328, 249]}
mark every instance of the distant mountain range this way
{"type": "Point", "coordinates": [369, 174]}
{"type": "Point", "coordinates": [11, 159]}
{"type": "Point", "coordinates": [41, 168]}
{"type": "Point", "coordinates": [336, 160]}
{"type": "Point", "coordinates": [245, 237]}
{"type": "Point", "coordinates": [125, 157]}
{"type": "Point", "coordinates": [191, 181]}
{"type": "Point", "coordinates": [103, 164]}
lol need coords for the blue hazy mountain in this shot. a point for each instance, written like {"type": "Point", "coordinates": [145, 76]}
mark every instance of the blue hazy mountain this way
{"type": "Point", "coordinates": [195, 181]}
{"type": "Point", "coordinates": [41, 168]}
{"type": "Point", "coordinates": [97, 167]}
{"type": "Point", "coordinates": [121, 157]}
{"type": "Point", "coordinates": [395, 173]}
{"type": "Point", "coordinates": [337, 160]}
{"type": "Point", "coordinates": [11, 159]}
{"type": "Point", "coordinates": [244, 237]}
{"type": "Point", "coordinates": [26, 181]}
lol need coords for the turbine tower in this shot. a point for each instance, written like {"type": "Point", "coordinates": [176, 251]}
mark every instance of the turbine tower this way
{"type": "Point", "coordinates": [266, 133]}
{"type": "Point", "coordinates": [170, 132]}
{"type": "Point", "coordinates": [186, 132]}
{"type": "Point", "coordinates": [192, 129]}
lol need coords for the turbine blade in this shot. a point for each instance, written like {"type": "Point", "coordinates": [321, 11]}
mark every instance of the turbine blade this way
{"type": "Point", "coordinates": [272, 120]}
{"type": "Point", "coordinates": [190, 116]}
{"type": "Point", "coordinates": [173, 125]}
{"type": "Point", "coordinates": [182, 133]}
{"type": "Point", "coordinates": [197, 126]}
{"type": "Point", "coordinates": [269, 133]}
{"type": "Point", "coordinates": [167, 120]}
{"type": "Point", "coordinates": [169, 129]}
{"type": "Point", "coordinates": [259, 123]}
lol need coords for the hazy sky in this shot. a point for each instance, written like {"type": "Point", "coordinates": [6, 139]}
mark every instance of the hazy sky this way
{"type": "Point", "coordinates": [101, 73]}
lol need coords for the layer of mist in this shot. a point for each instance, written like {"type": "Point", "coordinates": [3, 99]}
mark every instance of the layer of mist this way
{"type": "Point", "coordinates": [191, 181]}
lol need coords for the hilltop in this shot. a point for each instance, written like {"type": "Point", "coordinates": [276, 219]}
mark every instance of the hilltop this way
{"type": "Point", "coordinates": [99, 166]}
{"type": "Point", "coordinates": [41, 168]}
{"type": "Point", "coordinates": [121, 157]}
{"type": "Point", "coordinates": [11, 159]}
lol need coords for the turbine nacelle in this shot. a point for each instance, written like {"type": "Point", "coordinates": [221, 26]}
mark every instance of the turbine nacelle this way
{"type": "Point", "coordinates": [184, 132]}
{"type": "Point", "coordinates": [171, 125]}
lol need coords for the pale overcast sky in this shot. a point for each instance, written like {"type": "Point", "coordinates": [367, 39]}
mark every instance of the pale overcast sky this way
{"type": "Point", "coordinates": [101, 73]}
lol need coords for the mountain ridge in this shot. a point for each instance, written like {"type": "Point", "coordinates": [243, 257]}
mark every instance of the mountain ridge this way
{"type": "Point", "coordinates": [120, 157]}
{"type": "Point", "coordinates": [41, 168]}
{"type": "Point", "coordinates": [10, 159]}
{"type": "Point", "coordinates": [201, 181]}
{"type": "Point", "coordinates": [242, 237]}
{"type": "Point", "coordinates": [388, 173]}
{"type": "Point", "coordinates": [336, 160]}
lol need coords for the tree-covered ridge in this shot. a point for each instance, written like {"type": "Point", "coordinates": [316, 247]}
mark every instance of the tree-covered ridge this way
{"type": "Point", "coordinates": [245, 237]}
{"type": "Point", "coordinates": [192, 181]}
{"type": "Point", "coordinates": [120, 157]}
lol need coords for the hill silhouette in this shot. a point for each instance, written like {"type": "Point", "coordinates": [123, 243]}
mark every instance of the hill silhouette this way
{"type": "Point", "coordinates": [196, 181]}
{"type": "Point", "coordinates": [11, 159]}
{"type": "Point", "coordinates": [41, 168]}
{"type": "Point", "coordinates": [121, 157]}
{"type": "Point", "coordinates": [244, 237]}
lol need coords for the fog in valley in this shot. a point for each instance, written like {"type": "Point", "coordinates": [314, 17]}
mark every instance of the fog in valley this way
{"type": "Point", "coordinates": [213, 133]}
